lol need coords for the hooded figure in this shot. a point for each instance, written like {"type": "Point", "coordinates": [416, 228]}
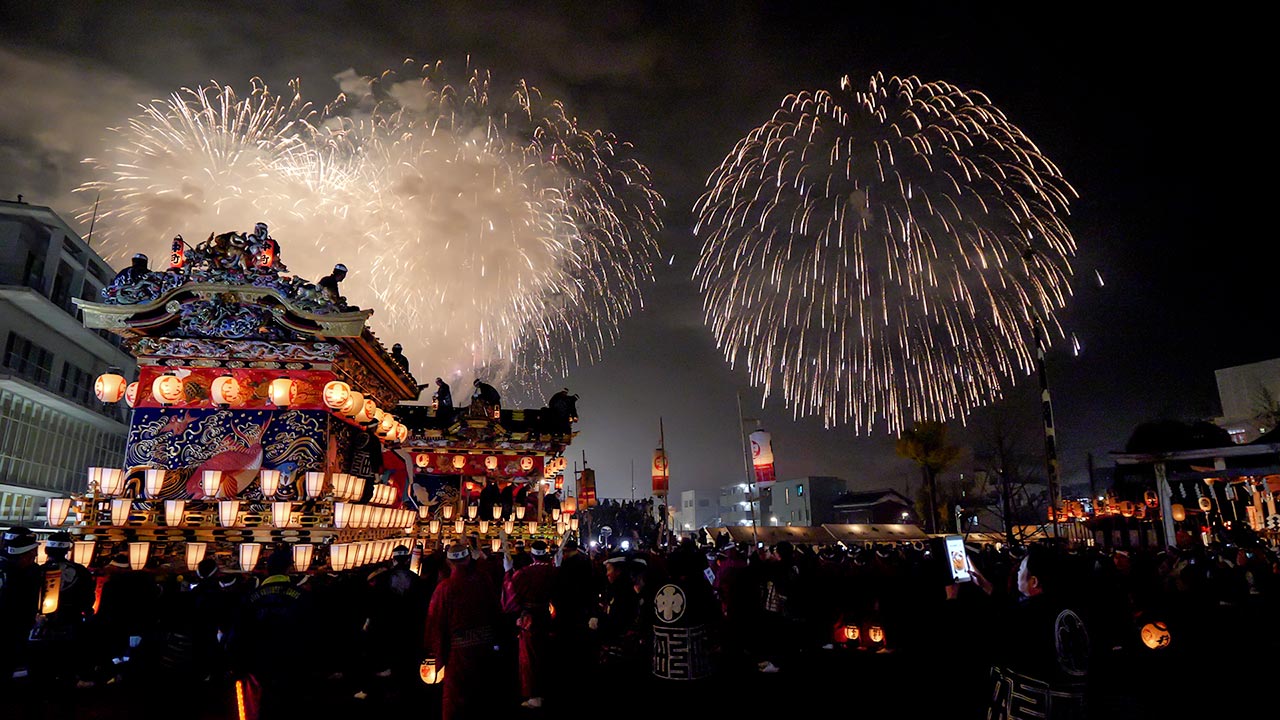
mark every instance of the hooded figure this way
{"type": "Point", "coordinates": [461, 628]}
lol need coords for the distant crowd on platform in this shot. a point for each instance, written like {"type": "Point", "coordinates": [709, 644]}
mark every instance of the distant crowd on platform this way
{"type": "Point", "coordinates": [505, 626]}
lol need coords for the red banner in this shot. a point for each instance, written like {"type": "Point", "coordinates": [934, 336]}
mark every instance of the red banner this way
{"type": "Point", "coordinates": [661, 472]}
{"type": "Point", "coordinates": [587, 489]}
{"type": "Point", "coordinates": [762, 457]}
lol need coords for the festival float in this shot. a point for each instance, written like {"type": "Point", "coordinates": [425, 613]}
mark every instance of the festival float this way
{"type": "Point", "coordinates": [267, 414]}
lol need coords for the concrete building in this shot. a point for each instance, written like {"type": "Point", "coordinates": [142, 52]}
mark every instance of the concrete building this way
{"type": "Point", "coordinates": [805, 501]}
{"type": "Point", "coordinates": [739, 507]}
{"type": "Point", "coordinates": [698, 509]}
{"type": "Point", "coordinates": [1247, 392]}
{"type": "Point", "coordinates": [51, 426]}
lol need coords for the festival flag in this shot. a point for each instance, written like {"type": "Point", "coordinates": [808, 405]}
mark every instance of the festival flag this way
{"type": "Point", "coordinates": [762, 458]}
{"type": "Point", "coordinates": [586, 489]}
{"type": "Point", "coordinates": [661, 474]}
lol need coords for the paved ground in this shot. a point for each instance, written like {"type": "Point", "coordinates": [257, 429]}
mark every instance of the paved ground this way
{"type": "Point", "coordinates": [826, 683]}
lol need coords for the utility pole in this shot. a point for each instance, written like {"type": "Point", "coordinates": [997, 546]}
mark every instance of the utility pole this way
{"type": "Point", "coordinates": [751, 479]}
{"type": "Point", "coordinates": [666, 472]}
{"type": "Point", "coordinates": [1050, 437]}
{"type": "Point", "coordinates": [633, 480]}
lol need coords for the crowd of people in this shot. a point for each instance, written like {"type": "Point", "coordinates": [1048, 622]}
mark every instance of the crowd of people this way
{"type": "Point", "coordinates": [1046, 617]}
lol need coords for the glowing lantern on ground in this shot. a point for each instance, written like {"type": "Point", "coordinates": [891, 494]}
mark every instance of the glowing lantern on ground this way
{"type": "Point", "coordinates": [249, 553]}
{"type": "Point", "coordinates": [174, 512]}
{"type": "Point", "coordinates": [225, 391]}
{"type": "Point", "coordinates": [875, 634]}
{"type": "Point", "coordinates": [431, 673]}
{"type": "Point", "coordinates": [302, 553]}
{"type": "Point", "coordinates": [109, 387]}
{"type": "Point", "coordinates": [283, 391]}
{"type": "Point", "coordinates": [459, 462]}
{"type": "Point", "coordinates": [1178, 513]}
{"type": "Point", "coordinates": [526, 464]}
{"type": "Point", "coordinates": [131, 394]}
{"type": "Point", "coordinates": [336, 394]}
{"type": "Point", "coordinates": [422, 460]}
{"type": "Point", "coordinates": [847, 633]}
{"type": "Point", "coordinates": [1155, 635]}
{"type": "Point", "coordinates": [195, 553]}
{"type": "Point", "coordinates": [138, 552]}
{"type": "Point", "coordinates": [353, 405]}
{"type": "Point", "coordinates": [168, 390]}
{"type": "Point", "coordinates": [1206, 504]}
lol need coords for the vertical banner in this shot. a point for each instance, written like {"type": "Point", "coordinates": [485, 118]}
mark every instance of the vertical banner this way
{"type": "Point", "coordinates": [586, 489]}
{"type": "Point", "coordinates": [661, 474]}
{"type": "Point", "coordinates": [762, 457]}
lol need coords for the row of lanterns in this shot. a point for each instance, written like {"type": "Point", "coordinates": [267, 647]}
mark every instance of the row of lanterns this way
{"type": "Point", "coordinates": [345, 556]}
{"type": "Point", "coordinates": [139, 551]}
{"type": "Point", "coordinates": [225, 391]}
{"type": "Point", "coordinates": [423, 460]}
{"type": "Point", "coordinates": [356, 515]}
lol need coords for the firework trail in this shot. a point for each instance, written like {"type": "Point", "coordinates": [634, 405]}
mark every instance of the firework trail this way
{"type": "Point", "coordinates": [490, 233]}
{"type": "Point", "coordinates": [883, 254]}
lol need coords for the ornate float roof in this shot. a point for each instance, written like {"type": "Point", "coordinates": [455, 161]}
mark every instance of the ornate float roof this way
{"type": "Point", "coordinates": [217, 295]}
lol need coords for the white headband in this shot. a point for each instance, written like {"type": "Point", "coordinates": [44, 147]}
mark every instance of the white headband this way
{"type": "Point", "coordinates": [538, 552]}
{"type": "Point", "coordinates": [12, 535]}
{"type": "Point", "coordinates": [57, 544]}
{"type": "Point", "coordinates": [19, 549]}
{"type": "Point", "coordinates": [461, 554]}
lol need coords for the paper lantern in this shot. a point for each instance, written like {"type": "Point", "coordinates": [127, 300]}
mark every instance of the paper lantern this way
{"type": "Point", "coordinates": [533, 527]}
{"type": "Point", "coordinates": [520, 510]}
{"type": "Point", "coordinates": [152, 481]}
{"type": "Point", "coordinates": [315, 484]}
{"type": "Point", "coordinates": [353, 405]}
{"type": "Point", "coordinates": [225, 391]}
{"type": "Point", "coordinates": [555, 514]}
{"type": "Point", "coordinates": [365, 414]}
{"type": "Point", "coordinates": [573, 524]}
{"type": "Point", "coordinates": [526, 463]}
{"type": "Point", "coordinates": [195, 553]}
{"type": "Point", "coordinates": [387, 424]}
{"type": "Point", "coordinates": [1151, 498]}
{"type": "Point", "coordinates": [1140, 511]}
{"type": "Point", "coordinates": [120, 508]}
{"type": "Point", "coordinates": [431, 673]}
{"type": "Point", "coordinates": [302, 553]}
{"type": "Point", "coordinates": [228, 512]}
{"type": "Point", "coordinates": [341, 485]}
{"type": "Point", "coordinates": [402, 433]}
{"type": "Point", "coordinates": [875, 634]}
{"type": "Point", "coordinates": [138, 552]}
{"type": "Point", "coordinates": [211, 482]}
{"type": "Point", "coordinates": [168, 390]}
{"type": "Point", "coordinates": [357, 487]}
{"type": "Point", "coordinates": [336, 394]}
{"type": "Point", "coordinates": [495, 544]}
{"type": "Point", "coordinates": [106, 481]}
{"type": "Point", "coordinates": [1155, 635]}
{"type": "Point", "coordinates": [473, 510]}
{"type": "Point", "coordinates": [849, 633]}
{"type": "Point", "coordinates": [341, 514]}
{"type": "Point", "coordinates": [281, 513]}
{"type": "Point", "coordinates": [490, 462]}
{"type": "Point", "coordinates": [484, 527]}
{"type": "Point", "coordinates": [434, 526]}
{"type": "Point", "coordinates": [174, 512]}
{"type": "Point", "coordinates": [497, 511]}
{"type": "Point", "coordinates": [1205, 504]}
{"type": "Point", "coordinates": [570, 505]}
{"type": "Point", "coordinates": [1178, 512]}
{"type": "Point", "coordinates": [56, 510]}
{"type": "Point", "coordinates": [131, 394]}
{"type": "Point", "coordinates": [459, 526]}
{"type": "Point", "coordinates": [283, 392]}
{"type": "Point", "coordinates": [422, 460]}
{"type": "Point", "coordinates": [269, 480]}
{"type": "Point", "coordinates": [1126, 508]}
{"type": "Point", "coordinates": [249, 553]}
{"type": "Point", "coordinates": [459, 462]}
{"type": "Point", "coordinates": [338, 556]}
{"type": "Point", "coordinates": [508, 526]}
{"type": "Point", "coordinates": [109, 387]}
{"type": "Point", "coordinates": [82, 552]}
{"type": "Point", "coordinates": [447, 512]}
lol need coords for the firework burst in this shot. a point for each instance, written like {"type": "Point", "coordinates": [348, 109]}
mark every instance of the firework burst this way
{"type": "Point", "coordinates": [491, 233]}
{"type": "Point", "coordinates": [883, 255]}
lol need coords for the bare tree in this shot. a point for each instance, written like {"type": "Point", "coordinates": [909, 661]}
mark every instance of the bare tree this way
{"type": "Point", "coordinates": [925, 443]}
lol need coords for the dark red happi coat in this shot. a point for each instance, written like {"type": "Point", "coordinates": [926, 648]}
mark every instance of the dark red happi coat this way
{"type": "Point", "coordinates": [460, 635]}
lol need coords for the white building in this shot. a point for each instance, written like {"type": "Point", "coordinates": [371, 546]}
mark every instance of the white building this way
{"type": "Point", "coordinates": [1245, 391]}
{"type": "Point", "coordinates": [739, 505]}
{"type": "Point", "coordinates": [804, 501]}
{"type": "Point", "coordinates": [51, 426]}
{"type": "Point", "coordinates": [698, 509]}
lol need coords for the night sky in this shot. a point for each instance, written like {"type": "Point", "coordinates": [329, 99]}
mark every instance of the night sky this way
{"type": "Point", "coordinates": [1149, 128]}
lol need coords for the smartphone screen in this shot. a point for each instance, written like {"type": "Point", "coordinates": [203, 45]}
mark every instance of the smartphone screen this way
{"type": "Point", "coordinates": [958, 559]}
